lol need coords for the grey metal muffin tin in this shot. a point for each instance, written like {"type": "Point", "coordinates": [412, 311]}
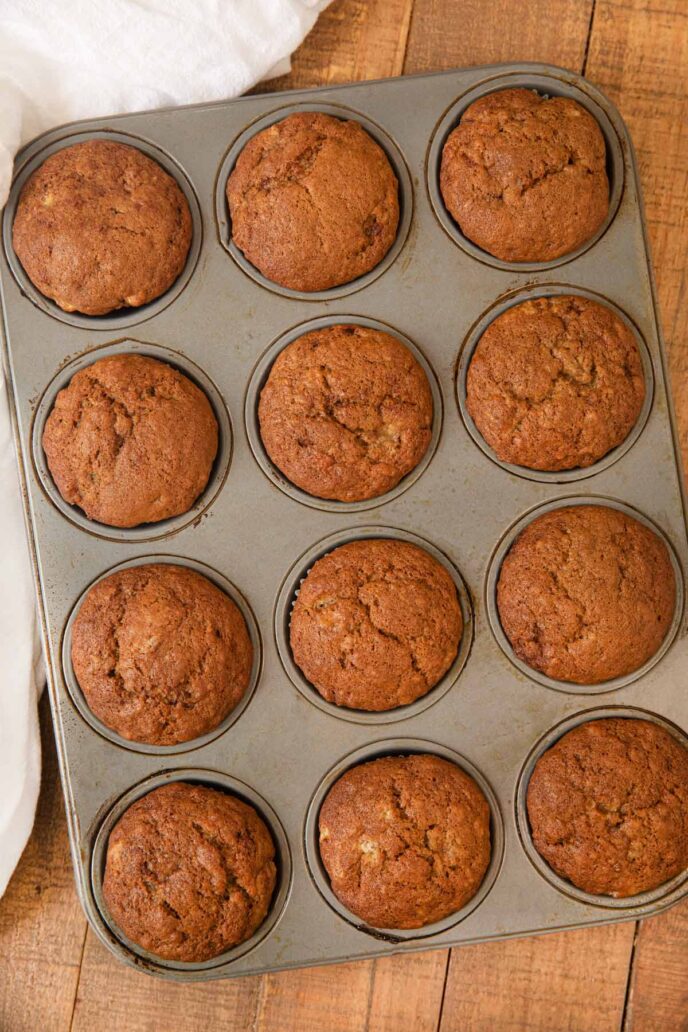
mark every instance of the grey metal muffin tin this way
{"type": "Point", "coordinates": [260, 534]}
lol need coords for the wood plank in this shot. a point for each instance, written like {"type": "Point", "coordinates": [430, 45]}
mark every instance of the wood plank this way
{"type": "Point", "coordinates": [42, 927]}
{"type": "Point", "coordinates": [445, 34]}
{"type": "Point", "coordinates": [407, 992]}
{"type": "Point", "coordinates": [352, 40]}
{"type": "Point", "coordinates": [334, 998]}
{"type": "Point", "coordinates": [128, 1001]}
{"type": "Point", "coordinates": [658, 998]}
{"type": "Point", "coordinates": [565, 982]}
{"type": "Point", "coordinates": [639, 56]}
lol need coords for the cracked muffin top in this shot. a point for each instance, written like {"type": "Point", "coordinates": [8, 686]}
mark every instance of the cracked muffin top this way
{"type": "Point", "coordinates": [160, 653]}
{"type": "Point", "coordinates": [346, 412]}
{"type": "Point", "coordinates": [555, 383]}
{"type": "Point", "coordinates": [313, 202]}
{"type": "Point", "coordinates": [189, 872]}
{"type": "Point", "coordinates": [130, 440]}
{"type": "Point", "coordinates": [405, 840]}
{"type": "Point", "coordinates": [101, 226]}
{"type": "Point", "coordinates": [525, 176]}
{"type": "Point", "coordinates": [586, 593]}
{"type": "Point", "coordinates": [376, 624]}
{"type": "Point", "coordinates": [608, 806]}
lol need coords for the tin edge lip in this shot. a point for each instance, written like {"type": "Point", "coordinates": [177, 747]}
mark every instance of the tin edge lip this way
{"type": "Point", "coordinates": [467, 349]}
{"type": "Point", "coordinates": [399, 166]}
{"type": "Point", "coordinates": [284, 604]}
{"type": "Point", "coordinates": [645, 902]}
{"type": "Point", "coordinates": [32, 157]}
{"type": "Point", "coordinates": [78, 699]}
{"type": "Point", "coordinates": [219, 472]}
{"type": "Point", "coordinates": [495, 563]}
{"type": "Point", "coordinates": [376, 750]}
{"type": "Point", "coordinates": [259, 376]}
{"type": "Point", "coordinates": [103, 825]}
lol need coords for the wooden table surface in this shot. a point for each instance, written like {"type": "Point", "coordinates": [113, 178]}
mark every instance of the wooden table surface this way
{"type": "Point", "coordinates": [54, 974]}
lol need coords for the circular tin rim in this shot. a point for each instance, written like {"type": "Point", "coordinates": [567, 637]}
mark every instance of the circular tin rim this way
{"type": "Point", "coordinates": [377, 750]}
{"type": "Point", "coordinates": [549, 85]}
{"type": "Point", "coordinates": [259, 377]}
{"type": "Point", "coordinates": [399, 167]}
{"type": "Point", "coordinates": [79, 699]}
{"type": "Point", "coordinates": [290, 589]}
{"type": "Point", "coordinates": [498, 556]}
{"type": "Point", "coordinates": [144, 531]}
{"type": "Point", "coordinates": [107, 927]}
{"type": "Point", "coordinates": [468, 350]}
{"type": "Point", "coordinates": [673, 888]}
{"type": "Point", "coordinates": [120, 318]}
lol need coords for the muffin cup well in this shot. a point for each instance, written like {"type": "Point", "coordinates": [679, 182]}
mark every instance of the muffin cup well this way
{"type": "Point", "coordinates": [130, 951]}
{"type": "Point", "coordinates": [289, 592]}
{"type": "Point", "coordinates": [668, 892]}
{"type": "Point", "coordinates": [32, 158]}
{"type": "Point", "coordinates": [259, 377]}
{"type": "Point", "coordinates": [374, 751]}
{"type": "Point", "coordinates": [548, 85]}
{"type": "Point", "coordinates": [218, 473]}
{"type": "Point", "coordinates": [468, 349]}
{"type": "Point", "coordinates": [79, 699]}
{"type": "Point", "coordinates": [396, 160]}
{"type": "Point", "coordinates": [493, 613]}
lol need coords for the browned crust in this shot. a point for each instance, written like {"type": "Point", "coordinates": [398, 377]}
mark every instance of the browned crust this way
{"type": "Point", "coordinates": [525, 176]}
{"type": "Point", "coordinates": [376, 624]}
{"type": "Point", "coordinates": [189, 873]}
{"type": "Point", "coordinates": [160, 653]}
{"type": "Point", "coordinates": [346, 412]}
{"type": "Point", "coordinates": [405, 840]}
{"type": "Point", "coordinates": [101, 226]}
{"type": "Point", "coordinates": [586, 594]}
{"type": "Point", "coordinates": [555, 383]}
{"type": "Point", "coordinates": [130, 440]}
{"type": "Point", "coordinates": [608, 807]}
{"type": "Point", "coordinates": [313, 202]}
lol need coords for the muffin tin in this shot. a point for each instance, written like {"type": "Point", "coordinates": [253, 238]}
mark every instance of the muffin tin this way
{"type": "Point", "coordinates": [252, 532]}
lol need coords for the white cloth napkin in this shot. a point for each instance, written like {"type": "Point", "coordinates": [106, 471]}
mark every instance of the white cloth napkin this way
{"type": "Point", "coordinates": [62, 60]}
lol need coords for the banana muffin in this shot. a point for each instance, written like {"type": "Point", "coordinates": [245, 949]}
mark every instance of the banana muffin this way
{"type": "Point", "coordinates": [524, 176]}
{"type": "Point", "coordinates": [586, 594]}
{"type": "Point", "coordinates": [130, 440]}
{"type": "Point", "coordinates": [189, 873]}
{"type": "Point", "coordinates": [555, 383]}
{"type": "Point", "coordinates": [405, 840]}
{"type": "Point", "coordinates": [101, 226]}
{"type": "Point", "coordinates": [346, 412]}
{"type": "Point", "coordinates": [313, 202]}
{"type": "Point", "coordinates": [608, 806]}
{"type": "Point", "coordinates": [376, 624]}
{"type": "Point", "coordinates": [160, 653]}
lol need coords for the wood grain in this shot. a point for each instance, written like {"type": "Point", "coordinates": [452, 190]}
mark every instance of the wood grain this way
{"type": "Point", "coordinates": [445, 34]}
{"type": "Point", "coordinates": [572, 982]}
{"type": "Point", "coordinates": [658, 998]}
{"type": "Point", "coordinates": [42, 927]}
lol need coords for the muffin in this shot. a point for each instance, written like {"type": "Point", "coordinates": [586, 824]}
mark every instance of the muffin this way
{"type": "Point", "coordinates": [525, 176]}
{"type": "Point", "coordinates": [101, 226]}
{"type": "Point", "coordinates": [608, 807]}
{"type": "Point", "coordinates": [586, 594]}
{"type": "Point", "coordinates": [376, 624]}
{"type": "Point", "coordinates": [189, 872]}
{"type": "Point", "coordinates": [346, 412]}
{"type": "Point", "coordinates": [130, 440]}
{"type": "Point", "coordinates": [313, 202]}
{"type": "Point", "coordinates": [555, 383]}
{"type": "Point", "coordinates": [161, 654]}
{"type": "Point", "coordinates": [405, 840]}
